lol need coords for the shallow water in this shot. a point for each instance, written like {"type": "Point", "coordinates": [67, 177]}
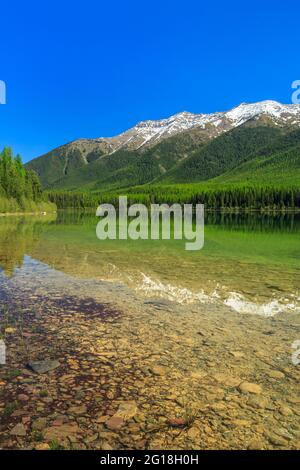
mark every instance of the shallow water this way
{"type": "Point", "coordinates": [250, 263]}
{"type": "Point", "coordinates": [149, 335]}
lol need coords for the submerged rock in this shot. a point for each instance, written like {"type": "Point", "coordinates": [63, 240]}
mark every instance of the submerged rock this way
{"type": "Point", "coordinates": [41, 367]}
{"type": "Point", "coordinates": [127, 410]}
{"type": "Point", "coordinates": [23, 397]}
{"type": "Point", "coordinates": [258, 402]}
{"type": "Point", "coordinates": [285, 411]}
{"type": "Point", "coordinates": [78, 410]}
{"type": "Point", "coordinates": [158, 370]}
{"type": "Point", "coordinates": [39, 424]}
{"type": "Point", "coordinates": [42, 446]}
{"type": "Point", "coordinates": [114, 423]}
{"type": "Point", "coordinates": [276, 374]}
{"type": "Point", "coordinates": [255, 444]}
{"type": "Point", "coordinates": [62, 432]}
{"type": "Point", "coordinates": [248, 387]}
{"type": "Point", "coordinates": [276, 440]}
{"type": "Point", "coordinates": [18, 430]}
{"type": "Point", "coordinates": [177, 422]}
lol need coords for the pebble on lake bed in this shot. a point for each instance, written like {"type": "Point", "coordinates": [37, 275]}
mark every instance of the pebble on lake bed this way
{"type": "Point", "coordinates": [41, 367]}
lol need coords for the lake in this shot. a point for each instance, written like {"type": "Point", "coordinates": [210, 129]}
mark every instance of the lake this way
{"type": "Point", "coordinates": [158, 346]}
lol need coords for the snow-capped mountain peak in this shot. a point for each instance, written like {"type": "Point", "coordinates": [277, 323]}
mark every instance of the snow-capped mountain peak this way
{"type": "Point", "coordinates": [245, 111]}
{"type": "Point", "coordinates": [150, 132]}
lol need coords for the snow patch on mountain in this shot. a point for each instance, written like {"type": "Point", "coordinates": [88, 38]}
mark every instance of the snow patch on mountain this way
{"type": "Point", "coordinates": [149, 132]}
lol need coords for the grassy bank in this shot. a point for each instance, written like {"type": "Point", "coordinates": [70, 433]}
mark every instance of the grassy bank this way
{"type": "Point", "coordinates": [20, 189]}
{"type": "Point", "coordinates": [12, 206]}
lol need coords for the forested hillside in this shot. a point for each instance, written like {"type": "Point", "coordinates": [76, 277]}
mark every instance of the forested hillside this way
{"type": "Point", "coordinates": [222, 154]}
{"type": "Point", "coordinates": [277, 164]}
{"type": "Point", "coordinates": [252, 152]}
{"type": "Point", "coordinates": [20, 188]}
{"type": "Point", "coordinates": [66, 168]}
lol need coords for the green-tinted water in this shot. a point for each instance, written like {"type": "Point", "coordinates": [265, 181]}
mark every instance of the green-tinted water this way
{"type": "Point", "coordinates": [249, 262]}
{"type": "Point", "coordinates": [146, 335]}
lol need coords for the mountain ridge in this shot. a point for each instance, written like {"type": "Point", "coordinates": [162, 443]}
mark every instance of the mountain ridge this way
{"type": "Point", "coordinates": [153, 150]}
{"type": "Point", "coordinates": [153, 130]}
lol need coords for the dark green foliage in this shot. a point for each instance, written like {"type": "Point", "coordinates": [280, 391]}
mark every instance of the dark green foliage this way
{"type": "Point", "coordinates": [54, 165]}
{"type": "Point", "coordinates": [20, 188]}
{"type": "Point", "coordinates": [222, 154]}
{"type": "Point", "coordinates": [73, 199]}
{"type": "Point", "coordinates": [280, 167]}
{"type": "Point", "coordinates": [60, 162]}
{"type": "Point", "coordinates": [225, 197]}
{"type": "Point", "coordinates": [15, 181]}
{"type": "Point", "coordinates": [221, 197]}
{"type": "Point", "coordinates": [9, 409]}
{"type": "Point", "coordinates": [185, 158]}
{"type": "Point", "coordinates": [93, 170]}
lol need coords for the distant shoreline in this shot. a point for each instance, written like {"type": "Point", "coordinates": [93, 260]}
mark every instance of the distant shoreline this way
{"type": "Point", "coordinates": [222, 211]}
{"type": "Point", "coordinates": [4, 214]}
{"type": "Point", "coordinates": [294, 210]}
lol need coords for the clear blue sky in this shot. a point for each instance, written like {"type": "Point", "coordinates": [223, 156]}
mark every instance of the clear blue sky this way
{"type": "Point", "coordinates": [96, 68]}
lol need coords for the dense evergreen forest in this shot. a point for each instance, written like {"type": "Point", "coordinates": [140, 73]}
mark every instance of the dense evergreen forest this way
{"type": "Point", "coordinates": [260, 155]}
{"type": "Point", "coordinates": [219, 197]}
{"type": "Point", "coordinates": [20, 188]}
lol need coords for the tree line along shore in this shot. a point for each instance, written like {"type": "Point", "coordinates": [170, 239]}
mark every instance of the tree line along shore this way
{"type": "Point", "coordinates": [20, 188]}
{"type": "Point", "coordinates": [218, 197]}
{"type": "Point", "coordinates": [21, 191]}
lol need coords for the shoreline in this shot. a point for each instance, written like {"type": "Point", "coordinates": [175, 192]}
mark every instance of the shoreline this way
{"type": "Point", "coordinates": [210, 210]}
{"type": "Point", "coordinates": [4, 214]}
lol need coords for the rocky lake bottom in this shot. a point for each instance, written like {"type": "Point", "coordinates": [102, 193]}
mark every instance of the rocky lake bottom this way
{"type": "Point", "coordinates": [96, 365]}
{"type": "Point", "coordinates": [144, 345]}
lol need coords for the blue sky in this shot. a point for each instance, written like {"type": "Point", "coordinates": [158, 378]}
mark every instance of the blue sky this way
{"type": "Point", "coordinates": [94, 69]}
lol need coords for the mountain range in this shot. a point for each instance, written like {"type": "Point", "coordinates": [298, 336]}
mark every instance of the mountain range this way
{"type": "Point", "coordinates": [257, 142]}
